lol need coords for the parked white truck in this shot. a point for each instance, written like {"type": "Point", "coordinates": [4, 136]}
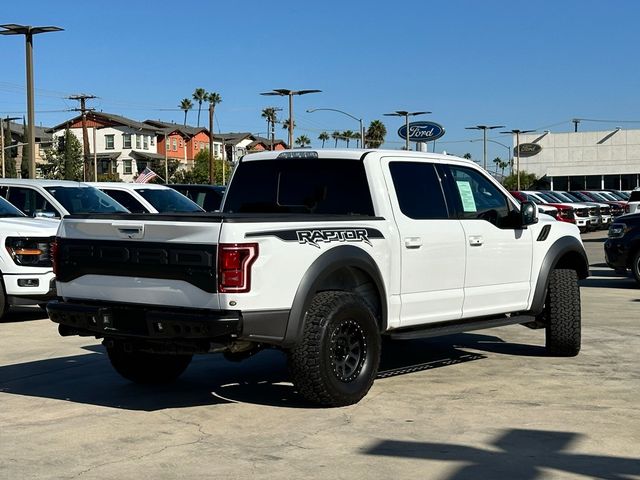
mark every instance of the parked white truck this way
{"type": "Point", "coordinates": [321, 254]}
{"type": "Point", "coordinates": [26, 274]}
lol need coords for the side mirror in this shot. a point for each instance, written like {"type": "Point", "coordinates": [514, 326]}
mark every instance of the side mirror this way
{"type": "Point", "coordinates": [528, 214]}
{"type": "Point", "coordinates": [39, 214]}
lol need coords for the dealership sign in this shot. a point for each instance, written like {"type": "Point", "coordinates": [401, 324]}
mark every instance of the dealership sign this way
{"type": "Point", "coordinates": [528, 150]}
{"type": "Point", "coordinates": [422, 131]}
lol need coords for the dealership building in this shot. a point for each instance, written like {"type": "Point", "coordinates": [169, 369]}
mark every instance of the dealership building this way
{"type": "Point", "coordinates": [607, 159]}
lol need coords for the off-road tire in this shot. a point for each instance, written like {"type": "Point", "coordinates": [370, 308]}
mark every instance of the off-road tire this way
{"type": "Point", "coordinates": [562, 314]}
{"type": "Point", "coordinates": [635, 267]}
{"type": "Point", "coordinates": [146, 368]}
{"type": "Point", "coordinates": [4, 305]}
{"type": "Point", "coordinates": [336, 360]}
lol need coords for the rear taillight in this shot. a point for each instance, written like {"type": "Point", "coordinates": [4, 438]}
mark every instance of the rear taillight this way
{"type": "Point", "coordinates": [234, 266]}
{"type": "Point", "coordinates": [54, 256]}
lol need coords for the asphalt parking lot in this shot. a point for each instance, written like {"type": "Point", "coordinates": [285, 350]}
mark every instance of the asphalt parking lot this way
{"type": "Point", "coordinates": [485, 405]}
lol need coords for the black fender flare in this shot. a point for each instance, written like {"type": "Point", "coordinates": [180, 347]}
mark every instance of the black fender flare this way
{"type": "Point", "coordinates": [325, 265]}
{"type": "Point", "coordinates": [558, 249]}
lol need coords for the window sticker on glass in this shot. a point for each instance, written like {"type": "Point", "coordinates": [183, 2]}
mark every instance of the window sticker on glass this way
{"type": "Point", "coordinates": [466, 195]}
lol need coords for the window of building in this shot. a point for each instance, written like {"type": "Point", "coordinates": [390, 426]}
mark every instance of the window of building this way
{"type": "Point", "coordinates": [576, 182]}
{"type": "Point", "coordinates": [126, 140]}
{"type": "Point", "coordinates": [127, 167]}
{"type": "Point", "coordinates": [109, 142]}
{"type": "Point", "coordinates": [612, 182]}
{"type": "Point", "coordinates": [560, 183]}
{"type": "Point", "coordinates": [195, 145]}
{"type": "Point", "coordinates": [418, 190]}
{"type": "Point", "coordinates": [629, 181]}
{"type": "Point", "coordinates": [138, 142]}
{"type": "Point", "coordinates": [216, 149]}
{"type": "Point", "coordinates": [181, 143]}
{"type": "Point", "coordinates": [593, 182]}
{"type": "Point", "coordinates": [175, 145]}
{"type": "Point", "coordinates": [153, 141]}
{"type": "Point", "coordinates": [145, 139]}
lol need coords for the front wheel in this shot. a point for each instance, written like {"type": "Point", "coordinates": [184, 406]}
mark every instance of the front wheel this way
{"type": "Point", "coordinates": [562, 314]}
{"type": "Point", "coordinates": [635, 267]}
{"type": "Point", "coordinates": [336, 361]}
{"type": "Point", "coordinates": [146, 368]}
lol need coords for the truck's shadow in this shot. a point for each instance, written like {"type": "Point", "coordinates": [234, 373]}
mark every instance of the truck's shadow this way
{"type": "Point", "coordinates": [211, 380]}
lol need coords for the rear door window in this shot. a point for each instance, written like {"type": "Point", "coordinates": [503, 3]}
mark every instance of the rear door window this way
{"type": "Point", "coordinates": [418, 189]}
{"type": "Point", "coordinates": [126, 200]}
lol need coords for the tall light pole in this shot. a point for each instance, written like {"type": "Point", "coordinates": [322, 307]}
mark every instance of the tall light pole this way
{"type": "Point", "coordinates": [28, 31]}
{"type": "Point", "coordinates": [406, 115]}
{"type": "Point", "coordinates": [283, 92]}
{"type": "Point", "coordinates": [517, 133]}
{"type": "Point", "coordinates": [484, 129]}
{"type": "Point", "coordinates": [499, 143]}
{"type": "Point", "coordinates": [344, 113]}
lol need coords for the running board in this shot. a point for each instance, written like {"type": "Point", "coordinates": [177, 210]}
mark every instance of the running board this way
{"type": "Point", "coordinates": [458, 326]}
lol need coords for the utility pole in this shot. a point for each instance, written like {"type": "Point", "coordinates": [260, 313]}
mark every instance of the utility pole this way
{"type": "Point", "coordinates": [85, 135]}
{"type": "Point", "coordinates": [575, 121]}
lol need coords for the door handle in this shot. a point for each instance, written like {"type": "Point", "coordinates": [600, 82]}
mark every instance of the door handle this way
{"type": "Point", "coordinates": [413, 242]}
{"type": "Point", "coordinates": [476, 240]}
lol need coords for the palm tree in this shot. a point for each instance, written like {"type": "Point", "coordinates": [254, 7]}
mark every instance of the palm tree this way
{"type": "Point", "coordinates": [302, 141]}
{"type": "Point", "coordinates": [347, 135]}
{"type": "Point", "coordinates": [186, 105]}
{"type": "Point", "coordinates": [336, 136]}
{"type": "Point", "coordinates": [467, 156]}
{"type": "Point", "coordinates": [356, 136]}
{"type": "Point", "coordinates": [285, 124]}
{"type": "Point", "coordinates": [214, 99]}
{"type": "Point", "coordinates": [497, 161]}
{"type": "Point", "coordinates": [375, 134]}
{"type": "Point", "coordinates": [324, 136]}
{"type": "Point", "coordinates": [199, 95]}
{"type": "Point", "coordinates": [270, 114]}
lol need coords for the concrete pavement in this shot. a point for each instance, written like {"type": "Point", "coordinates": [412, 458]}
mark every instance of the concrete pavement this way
{"type": "Point", "coordinates": [484, 405]}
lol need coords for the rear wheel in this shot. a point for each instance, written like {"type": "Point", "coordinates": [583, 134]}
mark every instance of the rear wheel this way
{"type": "Point", "coordinates": [146, 368]}
{"type": "Point", "coordinates": [562, 314]}
{"type": "Point", "coordinates": [337, 359]}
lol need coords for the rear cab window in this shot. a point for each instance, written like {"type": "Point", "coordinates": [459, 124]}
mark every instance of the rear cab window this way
{"type": "Point", "coordinates": [300, 186]}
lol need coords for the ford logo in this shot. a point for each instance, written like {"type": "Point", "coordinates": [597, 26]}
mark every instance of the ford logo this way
{"type": "Point", "coordinates": [422, 131]}
{"type": "Point", "coordinates": [528, 149]}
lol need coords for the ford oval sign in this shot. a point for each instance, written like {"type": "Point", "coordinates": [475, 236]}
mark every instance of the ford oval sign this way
{"type": "Point", "coordinates": [528, 149]}
{"type": "Point", "coordinates": [422, 131]}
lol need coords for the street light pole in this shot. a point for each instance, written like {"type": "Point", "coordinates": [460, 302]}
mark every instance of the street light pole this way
{"type": "Point", "coordinates": [499, 143]}
{"type": "Point", "coordinates": [484, 129]}
{"type": "Point", "coordinates": [28, 31]}
{"type": "Point", "coordinates": [344, 113]}
{"type": "Point", "coordinates": [517, 133]}
{"type": "Point", "coordinates": [406, 115]}
{"type": "Point", "coordinates": [283, 92]}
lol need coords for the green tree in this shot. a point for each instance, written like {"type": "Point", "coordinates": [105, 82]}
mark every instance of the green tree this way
{"type": "Point", "coordinates": [467, 156]}
{"type": "Point", "coordinates": [527, 181]}
{"type": "Point", "coordinates": [356, 136]}
{"type": "Point", "coordinates": [285, 124]}
{"type": "Point", "coordinates": [64, 160]}
{"type": "Point", "coordinates": [347, 135]}
{"type": "Point", "coordinates": [336, 136]}
{"type": "Point", "coordinates": [186, 105]}
{"type": "Point", "coordinates": [200, 171]}
{"type": "Point", "coordinates": [24, 164]}
{"type": "Point", "coordinates": [324, 136]}
{"type": "Point", "coordinates": [302, 141]}
{"type": "Point", "coordinates": [375, 134]}
{"type": "Point", "coordinates": [199, 95]}
{"type": "Point", "coordinates": [269, 114]}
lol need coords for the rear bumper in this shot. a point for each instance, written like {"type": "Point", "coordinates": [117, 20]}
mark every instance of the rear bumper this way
{"type": "Point", "coordinates": [143, 322]}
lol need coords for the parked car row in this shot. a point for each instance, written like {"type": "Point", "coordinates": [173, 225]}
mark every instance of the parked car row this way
{"type": "Point", "coordinates": [589, 210]}
{"type": "Point", "coordinates": [30, 211]}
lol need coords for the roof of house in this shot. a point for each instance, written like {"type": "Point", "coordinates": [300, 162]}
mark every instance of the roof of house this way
{"type": "Point", "coordinates": [109, 117]}
{"type": "Point", "coordinates": [18, 129]}
{"type": "Point", "coordinates": [265, 141]}
{"type": "Point", "coordinates": [170, 127]}
{"type": "Point", "coordinates": [233, 137]}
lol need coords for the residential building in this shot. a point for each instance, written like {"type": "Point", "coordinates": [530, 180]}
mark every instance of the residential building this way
{"type": "Point", "coordinates": [261, 144]}
{"type": "Point", "coordinates": [14, 134]}
{"type": "Point", "coordinates": [123, 146]}
{"type": "Point", "coordinates": [182, 142]}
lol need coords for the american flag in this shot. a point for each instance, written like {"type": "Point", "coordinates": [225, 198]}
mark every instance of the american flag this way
{"type": "Point", "coordinates": [146, 176]}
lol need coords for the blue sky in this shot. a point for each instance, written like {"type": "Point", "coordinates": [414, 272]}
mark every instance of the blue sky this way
{"type": "Point", "coordinates": [527, 65]}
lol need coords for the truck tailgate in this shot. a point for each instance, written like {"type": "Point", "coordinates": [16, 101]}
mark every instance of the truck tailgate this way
{"type": "Point", "coordinates": [139, 259]}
